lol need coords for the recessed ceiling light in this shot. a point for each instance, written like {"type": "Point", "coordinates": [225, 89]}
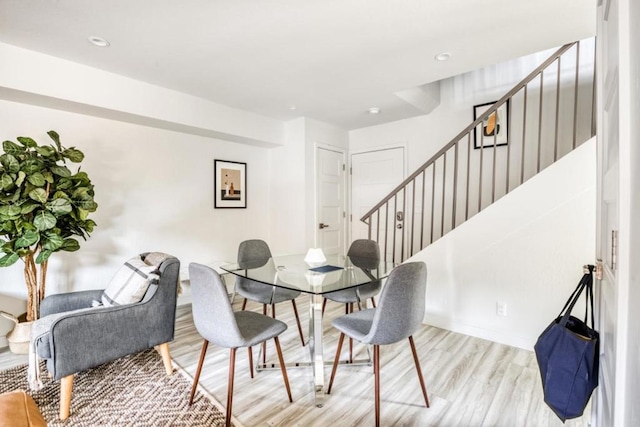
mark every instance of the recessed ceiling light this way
{"type": "Point", "coordinates": [442, 56]}
{"type": "Point", "coordinates": [373, 110]}
{"type": "Point", "coordinates": [99, 41]}
{"type": "Point", "coordinates": [292, 107]}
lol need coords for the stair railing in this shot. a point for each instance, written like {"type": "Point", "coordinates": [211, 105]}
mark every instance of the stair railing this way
{"type": "Point", "coordinates": [548, 114]}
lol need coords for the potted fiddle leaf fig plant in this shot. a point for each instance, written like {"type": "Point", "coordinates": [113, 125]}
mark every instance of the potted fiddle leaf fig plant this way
{"type": "Point", "coordinates": [44, 208]}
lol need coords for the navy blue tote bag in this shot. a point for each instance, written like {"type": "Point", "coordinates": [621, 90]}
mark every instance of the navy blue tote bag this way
{"type": "Point", "coordinates": [568, 356]}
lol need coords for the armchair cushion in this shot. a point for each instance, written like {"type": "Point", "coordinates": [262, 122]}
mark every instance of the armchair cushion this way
{"type": "Point", "coordinates": [130, 283]}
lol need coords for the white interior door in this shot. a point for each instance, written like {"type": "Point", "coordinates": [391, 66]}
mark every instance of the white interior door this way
{"type": "Point", "coordinates": [330, 180]}
{"type": "Point", "coordinates": [373, 175]}
{"type": "Point", "coordinates": [618, 394]}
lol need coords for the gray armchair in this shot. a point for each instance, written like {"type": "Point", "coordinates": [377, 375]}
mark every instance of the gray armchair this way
{"type": "Point", "coordinates": [86, 337]}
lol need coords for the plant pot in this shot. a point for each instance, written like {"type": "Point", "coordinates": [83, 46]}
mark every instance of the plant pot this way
{"type": "Point", "coordinates": [20, 336]}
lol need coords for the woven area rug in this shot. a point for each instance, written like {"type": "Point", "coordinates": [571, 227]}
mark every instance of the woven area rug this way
{"type": "Point", "coordinates": [131, 391]}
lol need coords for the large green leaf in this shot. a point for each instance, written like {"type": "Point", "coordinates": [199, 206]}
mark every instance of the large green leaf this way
{"type": "Point", "coordinates": [30, 166]}
{"type": "Point", "coordinates": [43, 256]}
{"type": "Point", "coordinates": [10, 147]}
{"type": "Point", "coordinates": [28, 207]}
{"type": "Point", "coordinates": [59, 206]}
{"type": "Point", "coordinates": [60, 170]}
{"type": "Point", "coordinates": [9, 163]}
{"type": "Point", "coordinates": [44, 220]}
{"type": "Point", "coordinates": [61, 195]}
{"type": "Point", "coordinates": [82, 214]}
{"type": "Point", "coordinates": [8, 226]}
{"type": "Point", "coordinates": [56, 138]}
{"type": "Point", "coordinates": [39, 195]}
{"type": "Point", "coordinates": [73, 154]}
{"type": "Point", "coordinates": [6, 182]}
{"type": "Point", "coordinates": [89, 225]}
{"type": "Point", "coordinates": [45, 151]}
{"type": "Point", "coordinates": [27, 239]}
{"type": "Point", "coordinates": [52, 241]}
{"type": "Point", "coordinates": [64, 184]}
{"type": "Point", "coordinates": [85, 204]}
{"type": "Point", "coordinates": [70, 245]}
{"type": "Point", "coordinates": [36, 179]}
{"type": "Point", "coordinates": [9, 259]}
{"type": "Point", "coordinates": [10, 210]}
{"type": "Point", "coordinates": [82, 178]}
{"type": "Point", "coordinates": [26, 141]}
{"type": "Point", "coordinates": [20, 178]}
{"type": "Point", "coordinates": [81, 193]}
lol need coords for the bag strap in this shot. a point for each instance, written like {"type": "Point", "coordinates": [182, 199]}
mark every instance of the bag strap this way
{"type": "Point", "coordinates": [590, 294]}
{"type": "Point", "coordinates": [585, 282]}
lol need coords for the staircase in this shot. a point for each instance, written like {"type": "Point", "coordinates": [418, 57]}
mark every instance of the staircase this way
{"type": "Point", "coordinates": [544, 117]}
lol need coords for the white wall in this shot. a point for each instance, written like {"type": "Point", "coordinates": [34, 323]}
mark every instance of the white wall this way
{"type": "Point", "coordinates": [526, 250]}
{"type": "Point", "coordinates": [155, 192]}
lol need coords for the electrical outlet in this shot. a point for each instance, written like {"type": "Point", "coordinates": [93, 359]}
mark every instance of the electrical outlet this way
{"type": "Point", "coordinates": [501, 309]}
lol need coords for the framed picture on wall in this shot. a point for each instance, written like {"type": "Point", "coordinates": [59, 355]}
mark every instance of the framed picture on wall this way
{"type": "Point", "coordinates": [493, 131]}
{"type": "Point", "coordinates": [229, 184]}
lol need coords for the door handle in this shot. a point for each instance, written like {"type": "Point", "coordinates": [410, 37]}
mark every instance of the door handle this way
{"type": "Point", "coordinates": [321, 226]}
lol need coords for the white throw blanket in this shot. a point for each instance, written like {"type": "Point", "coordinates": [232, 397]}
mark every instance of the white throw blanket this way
{"type": "Point", "coordinates": [40, 328]}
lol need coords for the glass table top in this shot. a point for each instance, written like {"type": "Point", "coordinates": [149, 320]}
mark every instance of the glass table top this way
{"type": "Point", "coordinates": [292, 272]}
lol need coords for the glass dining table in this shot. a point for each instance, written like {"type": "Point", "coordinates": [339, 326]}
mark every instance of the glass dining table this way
{"type": "Point", "coordinates": [292, 272]}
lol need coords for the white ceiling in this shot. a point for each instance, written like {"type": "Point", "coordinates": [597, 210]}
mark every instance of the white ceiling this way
{"type": "Point", "coordinates": [332, 59]}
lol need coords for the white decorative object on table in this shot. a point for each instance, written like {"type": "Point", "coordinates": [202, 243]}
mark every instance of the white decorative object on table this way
{"type": "Point", "coordinates": [315, 257]}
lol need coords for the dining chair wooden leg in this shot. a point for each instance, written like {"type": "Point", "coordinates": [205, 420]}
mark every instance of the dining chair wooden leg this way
{"type": "Point", "coordinates": [324, 305]}
{"type": "Point", "coordinates": [283, 368]}
{"type": "Point", "coordinates": [373, 302]}
{"type": "Point", "coordinates": [350, 310]}
{"type": "Point", "coordinates": [203, 353]}
{"type": "Point", "coordinates": [232, 365]}
{"type": "Point", "coordinates": [250, 361]}
{"type": "Point", "coordinates": [376, 371]}
{"type": "Point", "coordinates": [264, 343]}
{"type": "Point", "coordinates": [244, 304]}
{"type": "Point", "coordinates": [417, 361]}
{"type": "Point", "coordinates": [295, 312]}
{"type": "Point", "coordinates": [335, 363]}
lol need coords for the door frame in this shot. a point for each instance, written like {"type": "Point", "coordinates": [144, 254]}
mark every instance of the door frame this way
{"type": "Point", "coordinates": [316, 193]}
{"type": "Point", "coordinates": [403, 145]}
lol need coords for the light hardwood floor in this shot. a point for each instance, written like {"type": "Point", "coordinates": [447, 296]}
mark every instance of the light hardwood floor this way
{"type": "Point", "coordinates": [471, 382]}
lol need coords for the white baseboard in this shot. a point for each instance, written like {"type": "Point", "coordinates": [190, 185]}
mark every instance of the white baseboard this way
{"type": "Point", "coordinates": [490, 335]}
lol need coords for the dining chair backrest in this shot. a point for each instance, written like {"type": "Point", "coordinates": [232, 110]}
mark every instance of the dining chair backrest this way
{"type": "Point", "coordinates": [401, 305]}
{"type": "Point", "coordinates": [364, 253]}
{"type": "Point", "coordinates": [364, 248]}
{"type": "Point", "coordinates": [212, 312]}
{"type": "Point", "coordinates": [253, 253]}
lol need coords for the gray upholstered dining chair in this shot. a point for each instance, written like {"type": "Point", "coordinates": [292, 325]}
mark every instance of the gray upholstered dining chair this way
{"type": "Point", "coordinates": [399, 313]}
{"type": "Point", "coordinates": [255, 253]}
{"type": "Point", "coordinates": [364, 253]}
{"type": "Point", "coordinates": [216, 321]}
